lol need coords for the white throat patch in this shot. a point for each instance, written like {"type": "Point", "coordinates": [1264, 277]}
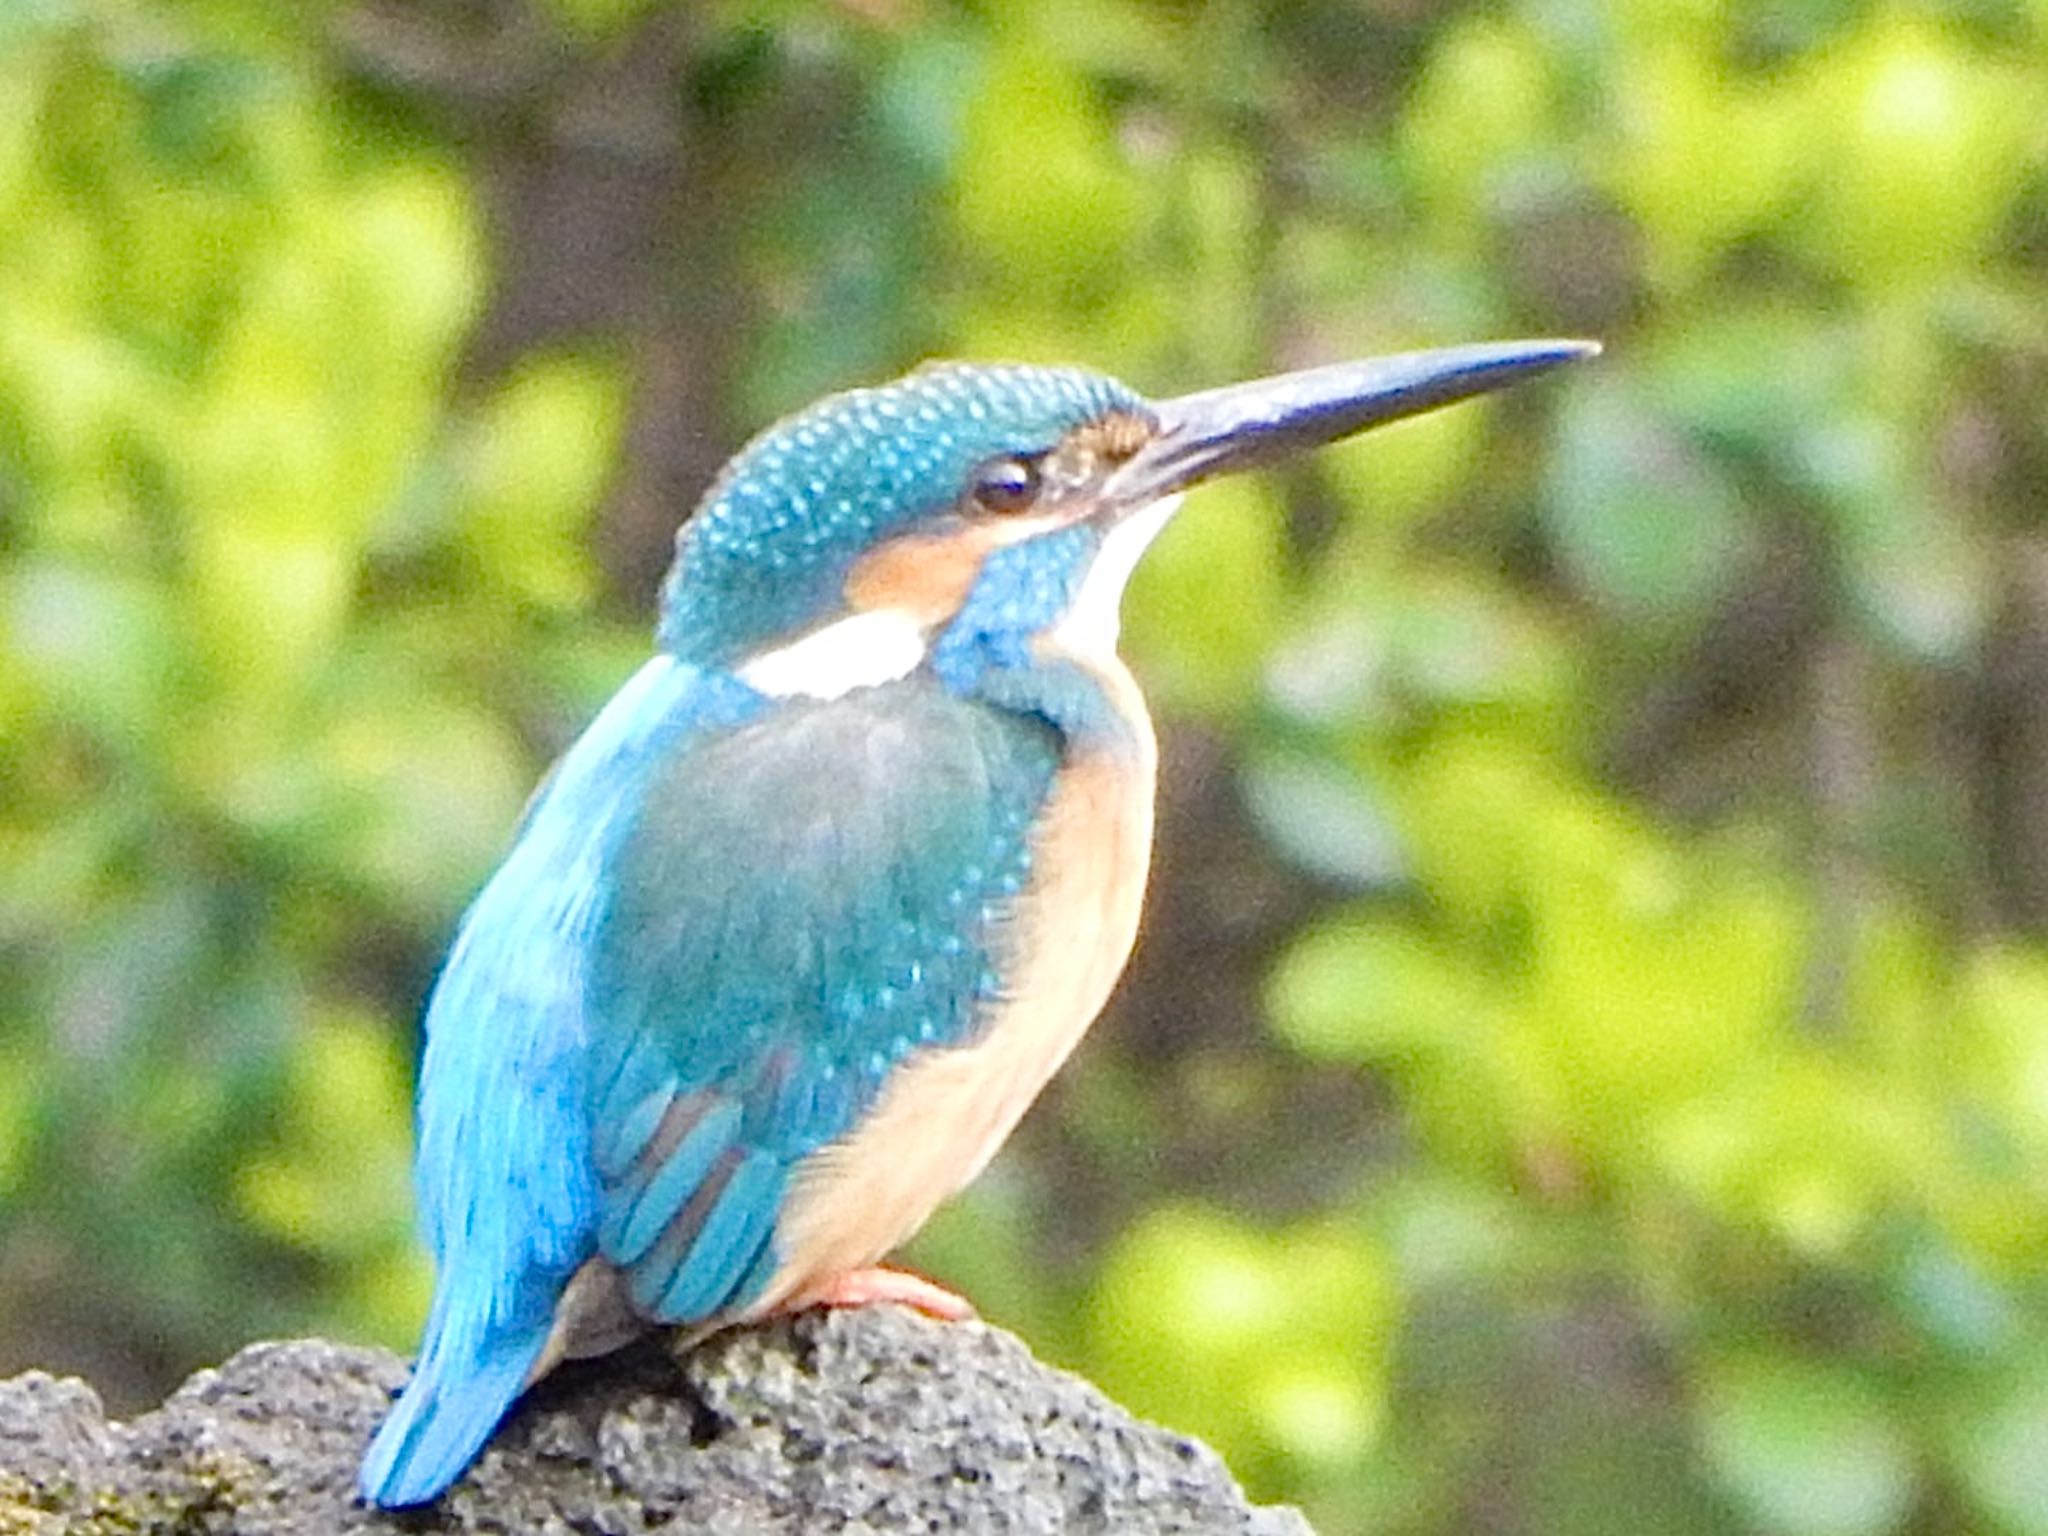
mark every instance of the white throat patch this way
{"type": "Point", "coordinates": [1090, 627]}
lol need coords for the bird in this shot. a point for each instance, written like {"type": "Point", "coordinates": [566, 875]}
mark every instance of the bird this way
{"type": "Point", "coordinates": [794, 933]}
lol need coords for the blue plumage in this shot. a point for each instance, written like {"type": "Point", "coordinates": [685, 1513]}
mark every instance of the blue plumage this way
{"type": "Point", "coordinates": [1022, 590]}
{"type": "Point", "coordinates": [664, 927]}
{"type": "Point", "coordinates": [801, 923]}
{"type": "Point", "coordinates": [755, 891]}
{"type": "Point", "coordinates": [697, 934]}
{"type": "Point", "coordinates": [508, 1193]}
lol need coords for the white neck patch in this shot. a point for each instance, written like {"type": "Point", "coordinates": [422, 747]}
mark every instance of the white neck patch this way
{"type": "Point", "coordinates": [862, 650]}
{"type": "Point", "coordinates": [1091, 625]}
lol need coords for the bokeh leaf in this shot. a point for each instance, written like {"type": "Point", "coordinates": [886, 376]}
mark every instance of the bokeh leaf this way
{"type": "Point", "coordinates": [1805, 1450]}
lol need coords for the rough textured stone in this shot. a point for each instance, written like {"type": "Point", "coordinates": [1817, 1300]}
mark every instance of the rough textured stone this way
{"type": "Point", "coordinates": [870, 1421]}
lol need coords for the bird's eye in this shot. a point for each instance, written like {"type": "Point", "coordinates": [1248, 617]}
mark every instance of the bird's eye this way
{"type": "Point", "coordinates": [1005, 486]}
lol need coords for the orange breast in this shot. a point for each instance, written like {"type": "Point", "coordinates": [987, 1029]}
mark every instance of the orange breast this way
{"type": "Point", "coordinates": [945, 1113]}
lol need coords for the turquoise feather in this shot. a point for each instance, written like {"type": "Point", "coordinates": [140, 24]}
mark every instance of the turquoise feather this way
{"type": "Point", "coordinates": [778, 938]}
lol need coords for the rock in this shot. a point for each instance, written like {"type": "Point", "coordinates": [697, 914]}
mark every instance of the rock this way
{"type": "Point", "coordinates": [876, 1420]}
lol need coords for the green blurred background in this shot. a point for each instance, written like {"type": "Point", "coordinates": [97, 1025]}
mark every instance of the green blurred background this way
{"type": "Point", "coordinates": [1587, 1068]}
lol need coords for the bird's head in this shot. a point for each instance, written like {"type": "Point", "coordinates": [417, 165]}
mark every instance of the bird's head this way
{"type": "Point", "coordinates": [955, 516]}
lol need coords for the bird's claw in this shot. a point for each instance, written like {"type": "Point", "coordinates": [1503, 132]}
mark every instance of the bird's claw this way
{"type": "Point", "coordinates": [878, 1284]}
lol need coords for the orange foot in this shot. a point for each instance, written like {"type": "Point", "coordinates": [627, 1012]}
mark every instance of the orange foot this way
{"type": "Point", "coordinates": [866, 1287]}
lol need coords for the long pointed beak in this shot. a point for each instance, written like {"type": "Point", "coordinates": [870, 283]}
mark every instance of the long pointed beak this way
{"type": "Point", "coordinates": [1242, 426]}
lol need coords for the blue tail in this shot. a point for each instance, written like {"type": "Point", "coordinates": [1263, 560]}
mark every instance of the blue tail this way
{"type": "Point", "coordinates": [442, 1420]}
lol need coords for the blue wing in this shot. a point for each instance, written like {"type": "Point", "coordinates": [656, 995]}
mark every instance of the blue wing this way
{"type": "Point", "coordinates": [508, 1202]}
{"type": "Point", "coordinates": [801, 903]}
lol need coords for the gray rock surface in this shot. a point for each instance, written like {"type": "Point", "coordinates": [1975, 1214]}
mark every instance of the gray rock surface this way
{"type": "Point", "coordinates": [870, 1421]}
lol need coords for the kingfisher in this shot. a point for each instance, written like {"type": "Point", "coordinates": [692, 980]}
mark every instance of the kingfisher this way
{"type": "Point", "coordinates": [796, 931]}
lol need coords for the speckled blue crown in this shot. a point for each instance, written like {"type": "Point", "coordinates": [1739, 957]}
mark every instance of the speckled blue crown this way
{"type": "Point", "coordinates": [769, 548]}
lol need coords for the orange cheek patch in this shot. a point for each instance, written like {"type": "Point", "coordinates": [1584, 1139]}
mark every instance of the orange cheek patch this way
{"type": "Point", "coordinates": [927, 576]}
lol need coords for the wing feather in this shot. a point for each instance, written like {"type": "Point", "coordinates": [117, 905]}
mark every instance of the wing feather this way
{"type": "Point", "coordinates": [798, 906]}
{"type": "Point", "coordinates": [699, 1131]}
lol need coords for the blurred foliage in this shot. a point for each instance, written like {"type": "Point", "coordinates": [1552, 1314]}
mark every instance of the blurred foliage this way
{"type": "Point", "coordinates": [1651, 753]}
